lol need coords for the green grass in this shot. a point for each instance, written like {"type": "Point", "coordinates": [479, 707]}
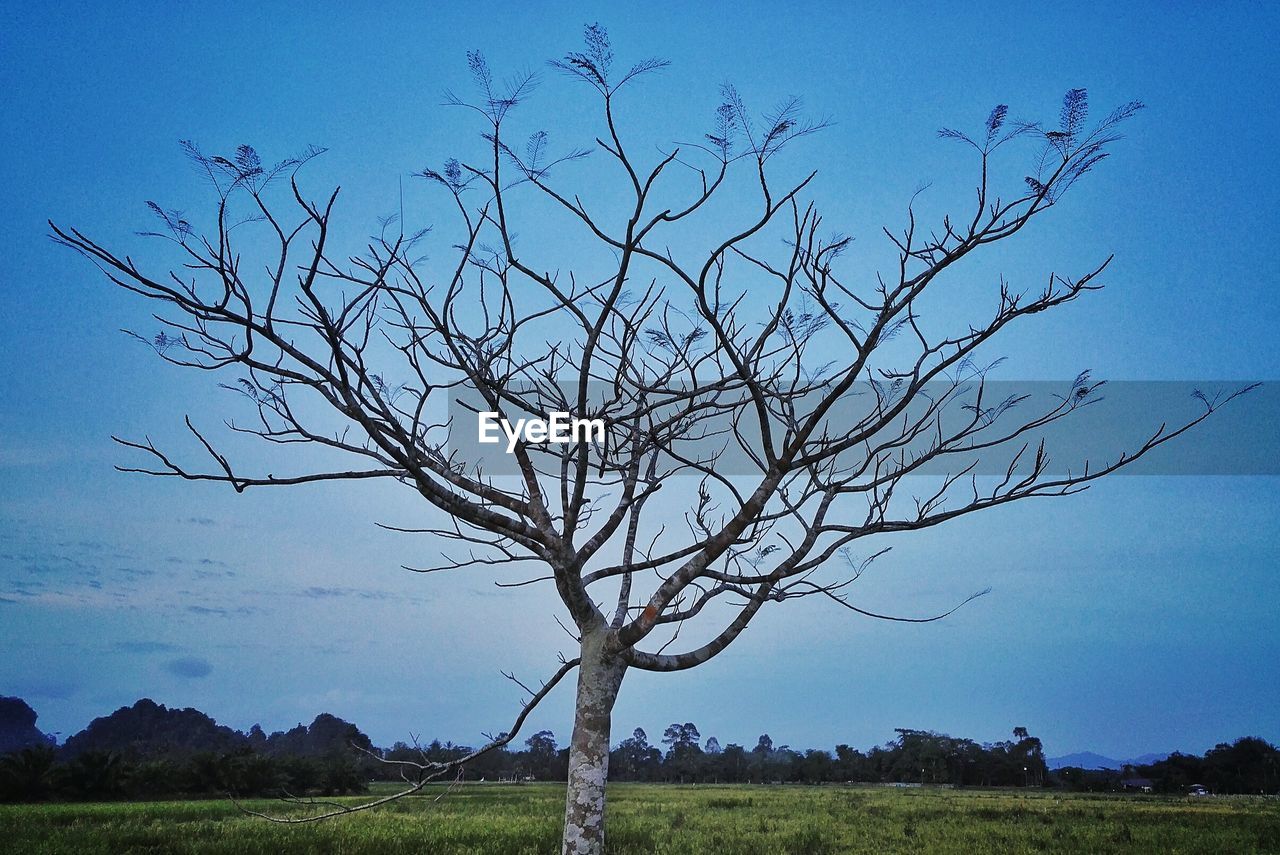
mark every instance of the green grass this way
{"type": "Point", "coordinates": [727, 820]}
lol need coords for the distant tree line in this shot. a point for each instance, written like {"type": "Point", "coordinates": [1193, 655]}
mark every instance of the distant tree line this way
{"type": "Point", "coordinates": [151, 751]}
{"type": "Point", "coordinates": [1248, 765]}
{"type": "Point", "coordinates": [40, 774]}
{"type": "Point", "coordinates": [683, 756]}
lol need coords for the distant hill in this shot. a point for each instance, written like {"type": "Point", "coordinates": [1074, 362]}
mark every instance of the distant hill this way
{"type": "Point", "coordinates": [1083, 760]}
{"type": "Point", "coordinates": [1090, 760]}
{"type": "Point", "coordinates": [148, 729]}
{"type": "Point", "coordinates": [1147, 759]}
{"type": "Point", "coordinates": [18, 726]}
{"type": "Point", "coordinates": [326, 735]}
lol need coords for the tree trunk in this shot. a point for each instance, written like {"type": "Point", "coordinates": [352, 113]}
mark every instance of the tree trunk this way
{"type": "Point", "coordinates": [599, 676]}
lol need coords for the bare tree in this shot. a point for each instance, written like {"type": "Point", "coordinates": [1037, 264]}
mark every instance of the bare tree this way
{"type": "Point", "coordinates": [697, 335]}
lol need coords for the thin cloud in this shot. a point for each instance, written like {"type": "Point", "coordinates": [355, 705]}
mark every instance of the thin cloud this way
{"type": "Point", "coordinates": [143, 647]}
{"type": "Point", "coordinates": [318, 593]}
{"type": "Point", "coordinates": [189, 667]}
{"type": "Point", "coordinates": [53, 689]}
{"type": "Point", "coordinates": [17, 454]}
{"type": "Point", "coordinates": [215, 611]}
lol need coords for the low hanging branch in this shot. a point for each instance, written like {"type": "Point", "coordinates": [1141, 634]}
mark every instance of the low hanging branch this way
{"type": "Point", "coordinates": [419, 775]}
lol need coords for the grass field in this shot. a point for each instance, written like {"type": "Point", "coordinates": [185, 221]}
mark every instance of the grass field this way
{"type": "Point", "coordinates": [675, 819]}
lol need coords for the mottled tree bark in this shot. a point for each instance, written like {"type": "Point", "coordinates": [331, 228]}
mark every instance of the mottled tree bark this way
{"type": "Point", "coordinates": [599, 676]}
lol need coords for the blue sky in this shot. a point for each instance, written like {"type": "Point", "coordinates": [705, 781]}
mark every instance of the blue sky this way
{"type": "Point", "coordinates": [1138, 617]}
